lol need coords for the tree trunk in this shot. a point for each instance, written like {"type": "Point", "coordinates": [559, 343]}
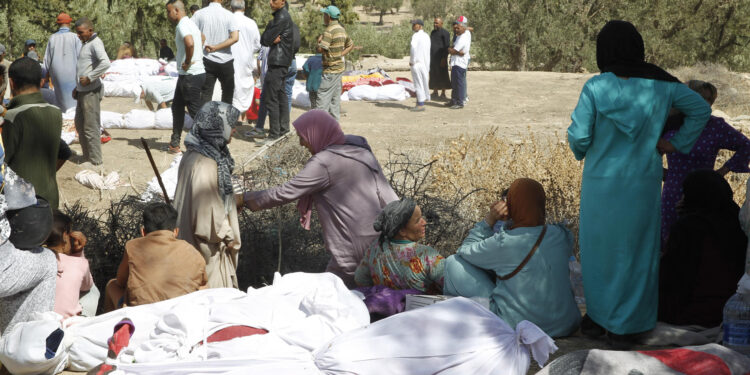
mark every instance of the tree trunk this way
{"type": "Point", "coordinates": [141, 38]}
{"type": "Point", "coordinates": [520, 55]}
{"type": "Point", "coordinates": [8, 18]}
{"type": "Point", "coordinates": [382, 12]}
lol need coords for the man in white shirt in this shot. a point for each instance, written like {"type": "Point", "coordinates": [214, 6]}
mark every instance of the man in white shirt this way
{"type": "Point", "coordinates": [218, 27]}
{"type": "Point", "coordinates": [190, 68]}
{"type": "Point", "coordinates": [459, 62]}
{"type": "Point", "coordinates": [244, 57]}
{"type": "Point", "coordinates": [420, 63]}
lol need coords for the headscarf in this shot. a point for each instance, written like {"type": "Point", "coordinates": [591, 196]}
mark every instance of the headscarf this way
{"type": "Point", "coordinates": [394, 216]}
{"type": "Point", "coordinates": [708, 193]}
{"type": "Point", "coordinates": [619, 49]}
{"type": "Point", "coordinates": [526, 203]}
{"type": "Point", "coordinates": [209, 136]}
{"type": "Point", "coordinates": [320, 130]}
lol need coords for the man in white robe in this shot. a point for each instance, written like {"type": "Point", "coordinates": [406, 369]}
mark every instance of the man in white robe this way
{"type": "Point", "coordinates": [244, 57]}
{"type": "Point", "coordinates": [420, 63]}
{"type": "Point", "coordinates": [60, 59]}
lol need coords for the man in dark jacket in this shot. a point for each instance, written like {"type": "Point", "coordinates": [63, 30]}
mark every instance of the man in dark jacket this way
{"type": "Point", "coordinates": [279, 36]}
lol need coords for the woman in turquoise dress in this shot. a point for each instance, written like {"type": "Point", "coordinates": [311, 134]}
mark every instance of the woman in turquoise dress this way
{"type": "Point", "coordinates": [615, 129]}
{"type": "Point", "coordinates": [396, 259]}
{"type": "Point", "coordinates": [484, 265]}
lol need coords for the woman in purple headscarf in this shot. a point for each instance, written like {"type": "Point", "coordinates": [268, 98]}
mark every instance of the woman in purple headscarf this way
{"type": "Point", "coordinates": [345, 183]}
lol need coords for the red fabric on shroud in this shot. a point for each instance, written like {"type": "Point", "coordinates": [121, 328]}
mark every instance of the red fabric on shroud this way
{"type": "Point", "coordinates": [690, 362]}
{"type": "Point", "coordinates": [233, 332]}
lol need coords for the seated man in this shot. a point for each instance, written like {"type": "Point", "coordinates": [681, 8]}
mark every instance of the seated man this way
{"type": "Point", "coordinates": [27, 270]}
{"type": "Point", "coordinates": [522, 268]}
{"type": "Point", "coordinates": [157, 266]}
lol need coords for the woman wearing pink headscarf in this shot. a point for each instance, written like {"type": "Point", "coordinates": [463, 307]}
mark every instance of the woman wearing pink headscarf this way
{"type": "Point", "coordinates": [345, 183]}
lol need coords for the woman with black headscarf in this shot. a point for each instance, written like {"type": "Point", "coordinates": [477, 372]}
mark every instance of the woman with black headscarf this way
{"type": "Point", "coordinates": [704, 256]}
{"type": "Point", "coordinates": [396, 259]}
{"type": "Point", "coordinates": [616, 126]}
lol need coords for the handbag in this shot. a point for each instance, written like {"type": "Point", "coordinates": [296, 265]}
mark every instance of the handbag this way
{"type": "Point", "coordinates": [528, 256]}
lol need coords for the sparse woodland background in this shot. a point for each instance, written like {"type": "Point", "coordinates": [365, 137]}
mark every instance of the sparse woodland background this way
{"type": "Point", "coordinates": [549, 35]}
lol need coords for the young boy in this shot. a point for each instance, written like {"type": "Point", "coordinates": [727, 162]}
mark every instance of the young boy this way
{"type": "Point", "coordinates": [157, 266]}
{"type": "Point", "coordinates": [314, 71]}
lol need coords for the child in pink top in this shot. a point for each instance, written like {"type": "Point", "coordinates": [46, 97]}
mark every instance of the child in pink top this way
{"type": "Point", "coordinates": [73, 275]}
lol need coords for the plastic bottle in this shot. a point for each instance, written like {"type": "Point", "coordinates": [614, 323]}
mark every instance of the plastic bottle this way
{"type": "Point", "coordinates": [576, 280]}
{"type": "Point", "coordinates": [737, 323]}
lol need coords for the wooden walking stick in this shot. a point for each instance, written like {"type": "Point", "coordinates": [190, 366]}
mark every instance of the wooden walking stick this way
{"type": "Point", "coordinates": [156, 171]}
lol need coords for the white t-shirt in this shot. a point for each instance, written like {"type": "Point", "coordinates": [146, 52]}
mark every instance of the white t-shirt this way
{"type": "Point", "coordinates": [420, 49]}
{"type": "Point", "coordinates": [216, 23]}
{"type": "Point", "coordinates": [184, 28]}
{"type": "Point", "coordinates": [463, 44]}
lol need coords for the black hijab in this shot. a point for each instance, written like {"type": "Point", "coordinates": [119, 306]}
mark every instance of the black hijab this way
{"type": "Point", "coordinates": [619, 49]}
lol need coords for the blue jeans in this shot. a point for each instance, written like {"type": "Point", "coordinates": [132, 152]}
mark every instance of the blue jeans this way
{"type": "Point", "coordinates": [289, 82]}
{"type": "Point", "coordinates": [458, 85]}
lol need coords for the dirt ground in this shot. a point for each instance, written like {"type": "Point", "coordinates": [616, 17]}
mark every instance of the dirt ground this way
{"type": "Point", "coordinates": [512, 102]}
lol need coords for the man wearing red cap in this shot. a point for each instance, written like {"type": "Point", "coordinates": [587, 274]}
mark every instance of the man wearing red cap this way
{"type": "Point", "coordinates": [60, 58]}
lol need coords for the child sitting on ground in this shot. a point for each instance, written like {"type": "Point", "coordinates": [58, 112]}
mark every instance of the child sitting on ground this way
{"type": "Point", "coordinates": [73, 274]}
{"type": "Point", "coordinates": [157, 266]}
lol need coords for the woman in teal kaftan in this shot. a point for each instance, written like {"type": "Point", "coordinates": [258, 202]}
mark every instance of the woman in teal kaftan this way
{"type": "Point", "coordinates": [485, 263]}
{"type": "Point", "coordinates": [616, 125]}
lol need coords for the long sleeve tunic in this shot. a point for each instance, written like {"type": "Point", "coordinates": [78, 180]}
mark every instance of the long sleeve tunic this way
{"type": "Point", "coordinates": [615, 128]}
{"type": "Point", "coordinates": [349, 190]}
{"type": "Point", "coordinates": [540, 292]}
{"type": "Point", "coordinates": [716, 136]}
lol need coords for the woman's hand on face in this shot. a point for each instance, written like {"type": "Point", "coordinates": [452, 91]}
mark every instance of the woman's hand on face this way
{"type": "Point", "coordinates": [498, 211]}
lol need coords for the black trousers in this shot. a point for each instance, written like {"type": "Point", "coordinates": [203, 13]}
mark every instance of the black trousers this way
{"type": "Point", "coordinates": [225, 74]}
{"type": "Point", "coordinates": [186, 94]}
{"type": "Point", "coordinates": [276, 101]}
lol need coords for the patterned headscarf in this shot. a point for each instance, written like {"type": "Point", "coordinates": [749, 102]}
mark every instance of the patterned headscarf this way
{"type": "Point", "coordinates": [209, 136]}
{"type": "Point", "coordinates": [320, 130]}
{"type": "Point", "coordinates": [394, 216]}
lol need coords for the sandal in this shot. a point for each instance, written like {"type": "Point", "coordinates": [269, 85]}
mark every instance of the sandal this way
{"type": "Point", "coordinates": [175, 150]}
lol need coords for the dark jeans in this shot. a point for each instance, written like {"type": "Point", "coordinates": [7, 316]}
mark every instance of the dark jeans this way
{"type": "Point", "coordinates": [186, 94]}
{"type": "Point", "coordinates": [288, 85]}
{"type": "Point", "coordinates": [225, 73]}
{"type": "Point", "coordinates": [276, 101]}
{"type": "Point", "coordinates": [458, 85]}
{"type": "Point", "coordinates": [262, 110]}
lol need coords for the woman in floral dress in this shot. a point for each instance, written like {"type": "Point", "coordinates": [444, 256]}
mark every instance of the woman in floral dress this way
{"type": "Point", "coordinates": [395, 259]}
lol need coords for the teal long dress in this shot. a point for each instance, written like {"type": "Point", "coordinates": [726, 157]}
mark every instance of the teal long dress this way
{"type": "Point", "coordinates": [615, 128]}
{"type": "Point", "coordinates": [539, 293]}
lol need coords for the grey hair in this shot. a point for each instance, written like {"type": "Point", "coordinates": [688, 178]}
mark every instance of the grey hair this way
{"type": "Point", "coordinates": [238, 5]}
{"type": "Point", "coordinates": [85, 22]}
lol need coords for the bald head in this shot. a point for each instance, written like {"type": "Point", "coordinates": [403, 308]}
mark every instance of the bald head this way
{"type": "Point", "coordinates": [177, 4]}
{"type": "Point", "coordinates": [175, 11]}
{"type": "Point", "coordinates": [437, 23]}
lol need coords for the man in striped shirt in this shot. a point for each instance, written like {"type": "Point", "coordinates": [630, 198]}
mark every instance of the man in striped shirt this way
{"type": "Point", "coordinates": [334, 44]}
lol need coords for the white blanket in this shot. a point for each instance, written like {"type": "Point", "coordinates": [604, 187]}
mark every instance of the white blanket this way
{"type": "Point", "coordinates": [457, 336]}
{"type": "Point", "coordinates": [315, 326]}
